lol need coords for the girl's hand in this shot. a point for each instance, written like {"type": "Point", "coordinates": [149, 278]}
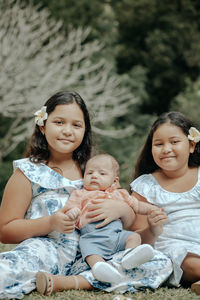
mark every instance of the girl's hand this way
{"type": "Point", "coordinates": [109, 210]}
{"type": "Point", "coordinates": [156, 219]}
{"type": "Point", "coordinates": [61, 222]}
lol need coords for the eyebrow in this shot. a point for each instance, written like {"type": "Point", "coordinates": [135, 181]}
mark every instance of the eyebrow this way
{"type": "Point", "coordinates": [171, 137]}
{"type": "Point", "coordinates": [104, 170]}
{"type": "Point", "coordinates": [63, 118]}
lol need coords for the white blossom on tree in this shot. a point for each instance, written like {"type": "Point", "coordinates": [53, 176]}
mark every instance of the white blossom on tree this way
{"type": "Point", "coordinates": [37, 60]}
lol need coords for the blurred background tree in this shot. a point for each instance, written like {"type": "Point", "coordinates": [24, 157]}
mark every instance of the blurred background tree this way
{"type": "Point", "coordinates": [144, 55]}
{"type": "Point", "coordinates": [188, 101]}
{"type": "Point", "coordinates": [163, 37]}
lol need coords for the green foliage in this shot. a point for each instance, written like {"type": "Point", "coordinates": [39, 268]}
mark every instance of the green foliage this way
{"type": "Point", "coordinates": [6, 167]}
{"type": "Point", "coordinates": [5, 172]}
{"type": "Point", "coordinates": [97, 14]}
{"type": "Point", "coordinates": [164, 37]}
{"type": "Point", "coordinates": [188, 101]}
{"type": "Point", "coordinates": [157, 294]}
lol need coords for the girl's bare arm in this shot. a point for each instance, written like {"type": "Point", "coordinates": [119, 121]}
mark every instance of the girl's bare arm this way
{"type": "Point", "coordinates": [150, 226]}
{"type": "Point", "coordinates": [16, 200]}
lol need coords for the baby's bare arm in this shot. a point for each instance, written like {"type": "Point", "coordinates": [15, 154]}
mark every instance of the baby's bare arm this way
{"type": "Point", "coordinates": [140, 207]}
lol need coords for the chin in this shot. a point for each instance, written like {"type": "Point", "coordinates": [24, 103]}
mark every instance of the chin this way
{"type": "Point", "coordinates": [93, 188]}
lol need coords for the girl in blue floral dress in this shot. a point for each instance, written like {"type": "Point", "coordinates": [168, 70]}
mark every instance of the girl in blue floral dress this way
{"type": "Point", "coordinates": [32, 212]}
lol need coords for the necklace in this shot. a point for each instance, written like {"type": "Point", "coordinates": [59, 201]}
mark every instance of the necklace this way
{"type": "Point", "coordinates": [58, 170]}
{"type": "Point", "coordinates": [62, 171]}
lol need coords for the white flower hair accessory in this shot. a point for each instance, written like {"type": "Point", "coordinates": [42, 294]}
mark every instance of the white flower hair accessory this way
{"type": "Point", "coordinates": [40, 116]}
{"type": "Point", "coordinates": [194, 135]}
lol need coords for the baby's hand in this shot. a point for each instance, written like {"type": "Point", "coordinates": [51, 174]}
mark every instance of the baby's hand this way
{"type": "Point", "coordinates": [156, 219]}
{"type": "Point", "coordinates": [73, 213]}
{"type": "Point", "coordinates": [61, 222]}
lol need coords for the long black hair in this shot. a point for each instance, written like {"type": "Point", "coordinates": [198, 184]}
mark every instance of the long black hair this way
{"type": "Point", "coordinates": [38, 150]}
{"type": "Point", "coordinates": [145, 163]}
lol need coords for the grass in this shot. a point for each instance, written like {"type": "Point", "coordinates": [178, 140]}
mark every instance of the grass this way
{"type": "Point", "coordinates": [159, 294]}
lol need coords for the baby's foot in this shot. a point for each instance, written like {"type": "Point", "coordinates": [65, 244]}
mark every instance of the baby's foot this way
{"type": "Point", "coordinates": [135, 257]}
{"type": "Point", "coordinates": [103, 271]}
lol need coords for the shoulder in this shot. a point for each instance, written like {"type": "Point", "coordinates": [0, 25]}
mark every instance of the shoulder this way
{"type": "Point", "coordinates": [18, 178]}
{"type": "Point", "coordinates": [28, 168]}
{"type": "Point", "coordinates": [17, 188]}
{"type": "Point", "coordinates": [146, 186]}
{"type": "Point", "coordinates": [25, 164]}
{"type": "Point", "coordinates": [42, 175]}
{"type": "Point", "coordinates": [143, 180]}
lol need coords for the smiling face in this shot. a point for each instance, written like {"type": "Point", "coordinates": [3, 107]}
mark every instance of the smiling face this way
{"type": "Point", "coordinates": [171, 147]}
{"type": "Point", "coordinates": [99, 174]}
{"type": "Point", "coordinates": [64, 129]}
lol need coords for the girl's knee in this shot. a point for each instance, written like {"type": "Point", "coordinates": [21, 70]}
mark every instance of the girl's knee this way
{"type": "Point", "coordinates": [191, 268]}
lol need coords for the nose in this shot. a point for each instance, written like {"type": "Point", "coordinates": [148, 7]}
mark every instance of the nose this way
{"type": "Point", "coordinates": [94, 175]}
{"type": "Point", "coordinates": [67, 130]}
{"type": "Point", "coordinates": [166, 148]}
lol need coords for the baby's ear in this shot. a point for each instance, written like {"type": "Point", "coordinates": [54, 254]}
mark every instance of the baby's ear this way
{"type": "Point", "coordinates": [117, 184]}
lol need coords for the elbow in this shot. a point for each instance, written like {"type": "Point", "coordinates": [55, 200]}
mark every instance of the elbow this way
{"type": "Point", "coordinates": [3, 241]}
{"type": "Point", "coordinates": [4, 236]}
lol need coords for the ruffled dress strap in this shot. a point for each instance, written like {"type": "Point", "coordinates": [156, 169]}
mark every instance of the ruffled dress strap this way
{"type": "Point", "coordinates": [148, 187]}
{"type": "Point", "coordinates": [145, 185]}
{"type": "Point", "coordinates": [44, 176]}
{"type": "Point", "coordinates": [50, 190]}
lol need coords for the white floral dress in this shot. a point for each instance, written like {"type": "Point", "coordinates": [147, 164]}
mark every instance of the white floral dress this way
{"type": "Point", "coordinates": [182, 232]}
{"type": "Point", "coordinates": [59, 253]}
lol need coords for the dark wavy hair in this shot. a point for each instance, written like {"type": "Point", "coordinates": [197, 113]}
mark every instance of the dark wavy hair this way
{"type": "Point", "coordinates": [37, 149]}
{"type": "Point", "coordinates": [145, 163]}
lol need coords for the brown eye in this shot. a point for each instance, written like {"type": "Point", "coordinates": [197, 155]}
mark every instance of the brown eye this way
{"type": "Point", "coordinates": [58, 122]}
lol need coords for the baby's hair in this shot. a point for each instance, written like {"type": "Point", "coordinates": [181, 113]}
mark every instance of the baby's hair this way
{"type": "Point", "coordinates": [145, 163]}
{"type": "Point", "coordinates": [115, 163]}
{"type": "Point", "coordinates": [38, 150]}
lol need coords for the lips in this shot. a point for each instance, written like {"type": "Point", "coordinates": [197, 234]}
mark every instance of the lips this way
{"type": "Point", "coordinates": [93, 182]}
{"type": "Point", "coordinates": [66, 140]}
{"type": "Point", "coordinates": [167, 157]}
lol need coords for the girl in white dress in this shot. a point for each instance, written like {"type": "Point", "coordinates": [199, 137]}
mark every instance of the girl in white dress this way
{"type": "Point", "coordinates": [33, 209]}
{"type": "Point", "coordinates": [167, 174]}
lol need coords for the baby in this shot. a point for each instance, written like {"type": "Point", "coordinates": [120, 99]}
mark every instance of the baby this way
{"type": "Point", "coordinates": [101, 181]}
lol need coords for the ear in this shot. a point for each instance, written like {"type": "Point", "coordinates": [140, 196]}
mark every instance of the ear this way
{"type": "Point", "coordinates": [192, 146]}
{"type": "Point", "coordinates": [116, 182]}
{"type": "Point", "coordinates": [42, 130]}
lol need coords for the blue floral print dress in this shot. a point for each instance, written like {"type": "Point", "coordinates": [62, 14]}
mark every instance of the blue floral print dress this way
{"type": "Point", "coordinates": [59, 253]}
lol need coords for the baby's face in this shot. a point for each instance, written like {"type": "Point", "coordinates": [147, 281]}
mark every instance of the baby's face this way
{"type": "Point", "coordinates": [99, 174]}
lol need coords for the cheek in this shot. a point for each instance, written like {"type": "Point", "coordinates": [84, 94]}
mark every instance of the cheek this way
{"type": "Point", "coordinates": [155, 153]}
{"type": "Point", "coordinates": [80, 136]}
